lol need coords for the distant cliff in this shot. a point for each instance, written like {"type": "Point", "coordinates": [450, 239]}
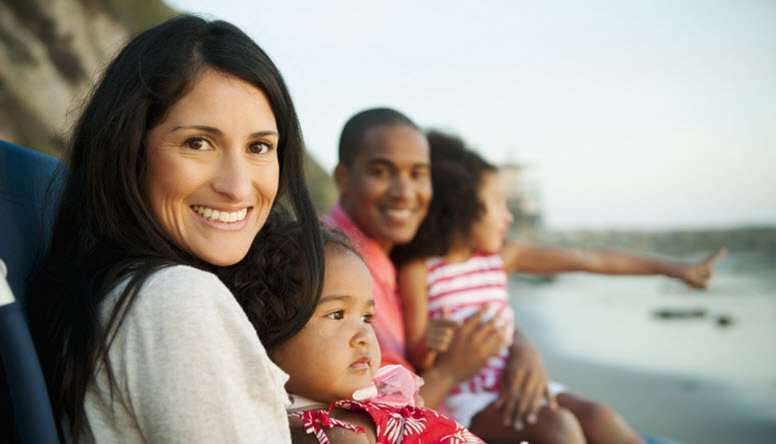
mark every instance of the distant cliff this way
{"type": "Point", "coordinates": [52, 51]}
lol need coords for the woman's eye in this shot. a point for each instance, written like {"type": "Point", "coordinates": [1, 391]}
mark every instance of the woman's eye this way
{"type": "Point", "coordinates": [336, 315]}
{"type": "Point", "coordinates": [419, 174]}
{"type": "Point", "coordinates": [368, 318]}
{"type": "Point", "coordinates": [260, 148]}
{"type": "Point", "coordinates": [196, 143]}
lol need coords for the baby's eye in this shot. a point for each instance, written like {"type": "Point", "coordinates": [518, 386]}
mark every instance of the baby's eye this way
{"type": "Point", "coordinates": [336, 315]}
{"type": "Point", "coordinates": [197, 143]}
{"type": "Point", "coordinates": [368, 318]}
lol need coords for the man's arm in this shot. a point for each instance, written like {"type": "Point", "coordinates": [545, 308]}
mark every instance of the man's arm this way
{"type": "Point", "coordinates": [528, 258]}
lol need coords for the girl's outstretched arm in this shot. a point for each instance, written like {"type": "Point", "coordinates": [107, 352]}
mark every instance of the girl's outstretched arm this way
{"type": "Point", "coordinates": [529, 258]}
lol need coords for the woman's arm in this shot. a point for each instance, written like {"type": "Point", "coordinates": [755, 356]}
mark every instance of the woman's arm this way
{"type": "Point", "coordinates": [191, 368]}
{"type": "Point", "coordinates": [528, 258]}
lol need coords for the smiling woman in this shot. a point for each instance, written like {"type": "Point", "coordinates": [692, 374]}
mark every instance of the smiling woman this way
{"type": "Point", "coordinates": [176, 164]}
{"type": "Point", "coordinates": [213, 168]}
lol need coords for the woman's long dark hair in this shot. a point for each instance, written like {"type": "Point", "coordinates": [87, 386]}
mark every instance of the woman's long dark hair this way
{"type": "Point", "coordinates": [456, 175]}
{"type": "Point", "coordinates": [104, 231]}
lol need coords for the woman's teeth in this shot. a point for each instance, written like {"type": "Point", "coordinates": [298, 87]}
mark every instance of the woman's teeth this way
{"type": "Point", "coordinates": [220, 216]}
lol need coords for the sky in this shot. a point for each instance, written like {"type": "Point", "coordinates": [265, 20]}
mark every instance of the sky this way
{"type": "Point", "coordinates": [640, 114]}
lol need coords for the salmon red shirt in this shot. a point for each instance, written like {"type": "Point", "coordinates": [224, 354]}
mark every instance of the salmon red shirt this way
{"type": "Point", "coordinates": [388, 319]}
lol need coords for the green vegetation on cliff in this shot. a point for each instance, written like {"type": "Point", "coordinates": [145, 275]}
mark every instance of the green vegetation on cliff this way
{"type": "Point", "coordinates": [51, 53]}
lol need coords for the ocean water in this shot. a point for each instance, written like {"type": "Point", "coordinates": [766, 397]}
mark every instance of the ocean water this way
{"type": "Point", "coordinates": [705, 375]}
{"type": "Point", "coordinates": [727, 331]}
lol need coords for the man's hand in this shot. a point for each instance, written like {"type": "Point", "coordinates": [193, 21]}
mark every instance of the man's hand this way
{"type": "Point", "coordinates": [524, 385]}
{"type": "Point", "coordinates": [699, 275]}
{"type": "Point", "coordinates": [472, 345]}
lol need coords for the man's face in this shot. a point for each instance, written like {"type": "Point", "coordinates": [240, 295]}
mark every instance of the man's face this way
{"type": "Point", "coordinates": [387, 190]}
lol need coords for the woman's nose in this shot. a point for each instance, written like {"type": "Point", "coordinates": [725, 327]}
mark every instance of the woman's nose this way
{"type": "Point", "coordinates": [233, 178]}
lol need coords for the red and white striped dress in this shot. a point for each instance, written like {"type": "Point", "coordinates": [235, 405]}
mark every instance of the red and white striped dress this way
{"type": "Point", "coordinates": [460, 289]}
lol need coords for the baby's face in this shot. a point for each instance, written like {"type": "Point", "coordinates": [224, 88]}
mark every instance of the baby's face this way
{"type": "Point", "coordinates": [336, 353]}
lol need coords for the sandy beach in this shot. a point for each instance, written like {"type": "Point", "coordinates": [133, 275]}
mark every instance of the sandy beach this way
{"type": "Point", "coordinates": [688, 379]}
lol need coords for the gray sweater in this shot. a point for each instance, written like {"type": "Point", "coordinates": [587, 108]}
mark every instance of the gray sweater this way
{"type": "Point", "coordinates": [189, 368]}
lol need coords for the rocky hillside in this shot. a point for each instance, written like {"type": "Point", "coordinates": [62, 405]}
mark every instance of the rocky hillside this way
{"type": "Point", "coordinates": [51, 52]}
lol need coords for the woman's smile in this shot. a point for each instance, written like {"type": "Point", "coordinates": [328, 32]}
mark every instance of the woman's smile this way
{"type": "Point", "coordinates": [223, 219]}
{"type": "Point", "coordinates": [213, 168]}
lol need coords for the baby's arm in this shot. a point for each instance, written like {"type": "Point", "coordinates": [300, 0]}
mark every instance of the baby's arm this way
{"type": "Point", "coordinates": [340, 435]}
{"type": "Point", "coordinates": [337, 435]}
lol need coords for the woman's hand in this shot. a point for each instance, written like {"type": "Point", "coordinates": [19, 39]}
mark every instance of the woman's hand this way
{"type": "Point", "coordinates": [698, 275]}
{"type": "Point", "coordinates": [524, 385]}
{"type": "Point", "coordinates": [472, 345]}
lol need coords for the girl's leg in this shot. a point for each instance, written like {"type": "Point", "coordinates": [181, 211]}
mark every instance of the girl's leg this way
{"type": "Point", "coordinates": [600, 424]}
{"type": "Point", "coordinates": [553, 427]}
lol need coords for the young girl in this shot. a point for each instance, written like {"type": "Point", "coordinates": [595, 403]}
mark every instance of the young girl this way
{"type": "Point", "coordinates": [457, 264]}
{"type": "Point", "coordinates": [329, 349]}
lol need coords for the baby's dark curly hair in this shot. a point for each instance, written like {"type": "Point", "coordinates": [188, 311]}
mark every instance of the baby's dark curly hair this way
{"type": "Point", "coordinates": [267, 283]}
{"type": "Point", "coordinates": [456, 175]}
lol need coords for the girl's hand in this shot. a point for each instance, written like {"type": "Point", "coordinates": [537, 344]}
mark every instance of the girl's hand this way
{"type": "Point", "coordinates": [699, 275]}
{"type": "Point", "coordinates": [472, 345]}
{"type": "Point", "coordinates": [440, 334]}
{"type": "Point", "coordinates": [524, 386]}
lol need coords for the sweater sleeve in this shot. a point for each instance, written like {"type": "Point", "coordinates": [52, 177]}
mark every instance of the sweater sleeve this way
{"type": "Point", "coordinates": [190, 367]}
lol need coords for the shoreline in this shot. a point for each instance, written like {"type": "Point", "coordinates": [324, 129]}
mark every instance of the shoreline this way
{"type": "Point", "coordinates": [683, 408]}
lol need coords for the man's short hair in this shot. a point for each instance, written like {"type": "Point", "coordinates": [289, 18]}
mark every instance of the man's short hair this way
{"type": "Point", "coordinates": [352, 139]}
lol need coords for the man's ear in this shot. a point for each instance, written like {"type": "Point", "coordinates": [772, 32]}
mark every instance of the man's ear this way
{"type": "Point", "coordinates": [342, 178]}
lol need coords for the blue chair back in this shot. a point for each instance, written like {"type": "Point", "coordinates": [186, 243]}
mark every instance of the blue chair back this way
{"type": "Point", "coordinates": [26, 211]}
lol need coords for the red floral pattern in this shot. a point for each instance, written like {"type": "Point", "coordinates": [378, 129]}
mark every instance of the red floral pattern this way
{"type": "Point", "coordinates": [394, 425]}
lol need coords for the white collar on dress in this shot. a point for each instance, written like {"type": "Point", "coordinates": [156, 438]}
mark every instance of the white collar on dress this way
{"type": "Point", "coordinates": [300, 403]}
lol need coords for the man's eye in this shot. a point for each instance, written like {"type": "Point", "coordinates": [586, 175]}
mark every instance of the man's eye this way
{"type": "Point", "coordinates": [378, 172]}
{"type": "Point", "coordinates": [336, 315]}
{"type": "Point", "coordinates": [196, 143]}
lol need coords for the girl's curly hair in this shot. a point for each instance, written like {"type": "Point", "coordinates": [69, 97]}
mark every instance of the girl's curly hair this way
{"type": "Point", "coordinates": [456, 175]}
{"type": "Point", "coordinates": [268, 282]}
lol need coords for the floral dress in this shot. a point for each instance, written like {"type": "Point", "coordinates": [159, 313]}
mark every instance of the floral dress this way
{"type": "Point", "coordinates": [392, 404]}
{"type": "Point", "coordinates": [394, 425]}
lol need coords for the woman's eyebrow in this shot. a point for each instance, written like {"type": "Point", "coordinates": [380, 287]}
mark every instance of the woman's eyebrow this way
{"type": "Point", "coordinates": [218, 132]}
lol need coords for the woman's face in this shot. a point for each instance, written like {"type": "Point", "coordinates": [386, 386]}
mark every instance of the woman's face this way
{"type": "Point", "coordinates": [213, 168]}
{"type": "Point", "coordinates": [336, 353]}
